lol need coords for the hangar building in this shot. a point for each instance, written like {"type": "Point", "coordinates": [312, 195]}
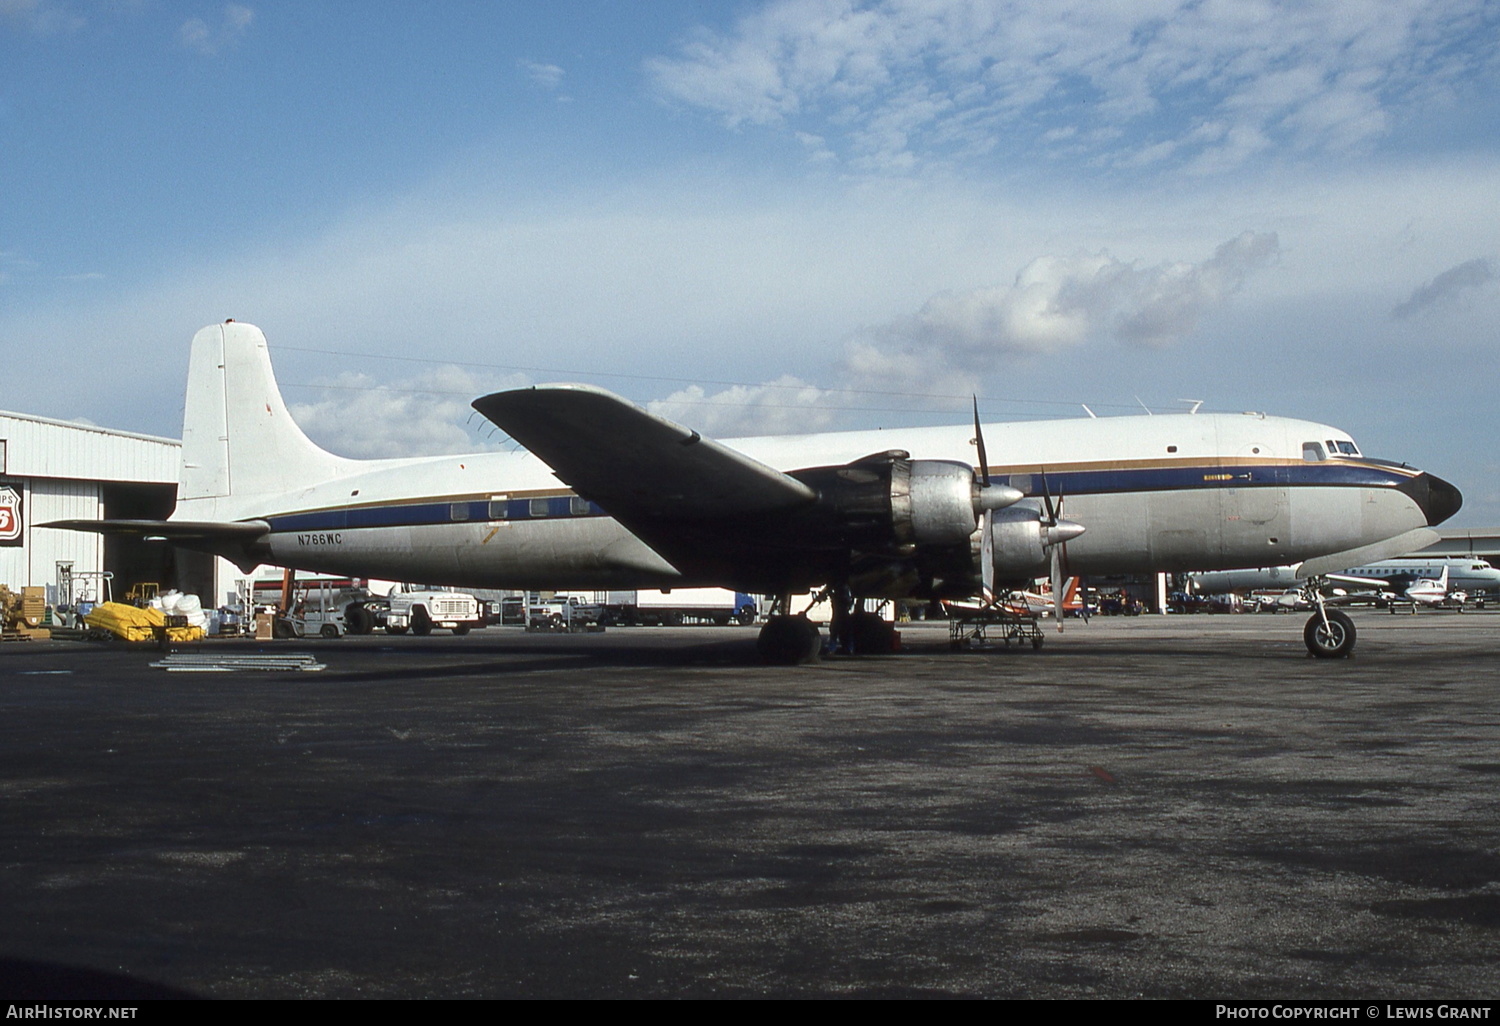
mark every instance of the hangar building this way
{"type": "Point", "coordinates": [57, 470]}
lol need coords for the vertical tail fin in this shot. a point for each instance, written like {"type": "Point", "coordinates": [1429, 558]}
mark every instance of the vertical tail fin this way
{"type": "Point", "coordinates": [237, 437]}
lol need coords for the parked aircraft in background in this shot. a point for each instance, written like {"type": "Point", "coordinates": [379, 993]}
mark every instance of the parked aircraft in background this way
{"type": "Point", "coordinates": [1040, 602]}
{"type": "Point", "coordinates": [1423, 591]}
{"type": "Point", "coordinates": [611, 496]}
{"type": "Point", "coordinates": [1465, 573]}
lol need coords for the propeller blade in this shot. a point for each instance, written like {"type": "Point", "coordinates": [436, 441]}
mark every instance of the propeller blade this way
{"type": "Point", "coordinates": [987, 555]}
{"type": "Point", "coordinates": [984, 459]}
{"type": "Point", "coordinates": [1047, 501]}
{"type": "Point", "coordinates": [1057, 586]}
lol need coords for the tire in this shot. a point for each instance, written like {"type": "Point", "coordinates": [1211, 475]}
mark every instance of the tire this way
{"type": "Point", "coordinates": [283, 629]}
{"type": "Point", "coordinates": [421, 623]}
{"type": "Point", "coordinates": [461, 629]}
{"type": "Point", "coordinates": [329, 630]}
{"type": "Point", "coordinates": [1335, 640]}
{"type": "Point", "coordinates": [358, 619]}
{"type": "Point", "coordinates": [871, 635]}
{"type": "Point", "coordinates": [789, 641]}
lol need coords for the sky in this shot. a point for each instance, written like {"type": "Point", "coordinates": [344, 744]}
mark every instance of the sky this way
{"type": "Point", "coordinates": [763, 217]}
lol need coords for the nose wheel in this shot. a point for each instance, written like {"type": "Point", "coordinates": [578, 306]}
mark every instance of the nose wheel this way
{"type": "Point", "coordinates": [1329, 634]}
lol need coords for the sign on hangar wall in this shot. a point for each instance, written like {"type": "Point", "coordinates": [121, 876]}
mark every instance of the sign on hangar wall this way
{"type": "Point", "coordinates": [10, 515]}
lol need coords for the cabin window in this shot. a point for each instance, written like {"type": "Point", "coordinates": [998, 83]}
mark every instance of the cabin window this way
{"type": "Point", "coordinates": [1171, 448]}
{"type": "Point", "coordinates": [1312, 451]}
{"type": "Point", "coordinates": [578, 506]}
{"type": "Point", "coordinates": [539, 507]}
{"type": "Point", "coordinates": [499, 509]}
{"type": "Point", "coordinates": [458, 511]}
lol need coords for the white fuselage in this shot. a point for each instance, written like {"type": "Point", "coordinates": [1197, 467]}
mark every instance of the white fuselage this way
{"type": "Point", "coordinates": [1464, 573]}
{"type": "Point", "coordinates": [1173, 492]}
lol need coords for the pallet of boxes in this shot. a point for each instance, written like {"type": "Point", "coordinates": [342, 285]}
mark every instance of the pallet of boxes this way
{"type": "Point", "coordinates": [22, 615]}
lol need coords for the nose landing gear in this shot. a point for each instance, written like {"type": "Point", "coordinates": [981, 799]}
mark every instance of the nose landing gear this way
{"type": "Point", "coordinates": [1329, 634]}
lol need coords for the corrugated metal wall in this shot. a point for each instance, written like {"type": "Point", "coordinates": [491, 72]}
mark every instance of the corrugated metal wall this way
{"type": "Point", "coordinates": [38, 448]}
{"type": "Point", "coordinates": [35, 561]}
{"type": "Point", "coordinates": [58, 469]}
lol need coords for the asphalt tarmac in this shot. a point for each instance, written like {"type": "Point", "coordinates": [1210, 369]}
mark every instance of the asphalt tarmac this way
{"type": "Point", "coordinates": [1156, 807]}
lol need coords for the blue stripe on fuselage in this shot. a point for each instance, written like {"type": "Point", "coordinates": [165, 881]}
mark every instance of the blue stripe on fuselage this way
{"type": "Point", "coordinates": [1335, 474]}
{"type": "Point", "coordinates": [1164, 479]}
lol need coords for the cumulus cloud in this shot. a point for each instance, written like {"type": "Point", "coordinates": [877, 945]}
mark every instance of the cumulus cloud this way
{"type": "Point", "coordinates": [1204, 85]}
{"type": "Point", "coordinates": [426, 415]}
{"type": "Point", "coordinates": [548, 76]}
{"type": "Point", "coordinates": [39, 17]}
{"type": "Point", "coordinates": [1055, 304]}
{"type": "Point", "coordinates": [200, 37]}
{"type": "Point", "coordinates": [1443, 289]}
{"type": "Point", "coordinates": [787, 405]}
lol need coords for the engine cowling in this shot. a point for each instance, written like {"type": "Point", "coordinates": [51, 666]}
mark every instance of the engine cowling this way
{"type": "Point", "coordinates": [891, 523]}
{"type": "Point", "coordinates": [1023, 540]}
{"type": "Point", "coordinates": [933, 502]}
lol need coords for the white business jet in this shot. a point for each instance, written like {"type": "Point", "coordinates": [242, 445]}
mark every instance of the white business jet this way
{"type": "Point", "coordinates": [610, 496]}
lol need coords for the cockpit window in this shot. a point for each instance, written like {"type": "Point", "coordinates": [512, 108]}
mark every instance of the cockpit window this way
{"type": "Point", "coordinates": [1348, 449]}
{"type": "Point", "coordinates": [1312, 451]}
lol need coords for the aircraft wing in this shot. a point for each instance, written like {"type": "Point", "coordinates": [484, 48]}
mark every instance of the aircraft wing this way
{"type": "Point", "coordinates": [1374, 582]}
{"type": "Point", "coordinates": [1411, 541]}
{"type": "Point", "coordinates": [172, 530]}
{"type": "Point", "coordinates": [635, 464]}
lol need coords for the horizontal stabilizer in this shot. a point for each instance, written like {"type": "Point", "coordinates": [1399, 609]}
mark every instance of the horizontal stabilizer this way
{"type": "Point", "coordinates": [636, 464]}
{"type": "Point", "coordinates": [172, 530]}
{"type": "Point", "coordinates": [1401, 545]}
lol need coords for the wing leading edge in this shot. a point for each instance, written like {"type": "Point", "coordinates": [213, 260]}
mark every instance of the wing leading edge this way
{"type": "Point", "coordinates": [635, 464]}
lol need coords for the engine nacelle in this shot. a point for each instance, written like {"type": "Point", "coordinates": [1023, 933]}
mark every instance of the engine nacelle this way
{"type": "Point", "coordinates": [890, 523]}
{"type": "Point", "coordinates": [932, 502]}
{"type": "Point", "coordinates": [1023, 541]}
{"type": "Point", "coordinates": [1020, 542]}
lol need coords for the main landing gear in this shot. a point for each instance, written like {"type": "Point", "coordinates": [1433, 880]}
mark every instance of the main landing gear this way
{"type": "Point", "coordinates": [853, 630]}
{"type": "Point", "coordinates": [1329, 634]}
{"type": "Point", "coordinates": [789, 640]}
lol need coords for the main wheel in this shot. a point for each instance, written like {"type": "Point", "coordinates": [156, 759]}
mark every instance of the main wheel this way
{"type": "Point", "coordinates": [358, 619]}
{"type": "Point", "coordinates": [421, 623]}
{"type": "Point", "coordinates": [1332, 640]}
{"type": "Point", "coordinates": [871, 635]}
{"type": "Point", "coordinates": [789, 640]}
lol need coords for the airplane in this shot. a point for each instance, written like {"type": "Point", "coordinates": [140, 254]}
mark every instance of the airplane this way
{"type": "Point", "coordinates": [1467, 573]}
{"type": "Point", "coordinates": [1422, 591]}
{"type": "Point", "coordinates": [1025, 602]}
{"type": "Point", "coordinates": [1041, 603]}
{"type": "Point", "coordinates": [610, 496]}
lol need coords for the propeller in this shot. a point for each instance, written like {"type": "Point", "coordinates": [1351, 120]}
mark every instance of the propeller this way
{"type": "Point", "coordinates": [1055, 534]}
{"type": "Point", "coordinates": [987, 516]}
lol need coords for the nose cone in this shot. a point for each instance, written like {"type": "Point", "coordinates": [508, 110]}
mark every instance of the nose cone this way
{"type": "Point", "coordinates": [1437, 499]}
{"type": "Point", "coordinates": [1062, 531]}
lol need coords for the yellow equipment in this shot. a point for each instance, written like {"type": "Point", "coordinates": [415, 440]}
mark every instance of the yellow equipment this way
{"type": "Point", "coordinates": [133, 624]}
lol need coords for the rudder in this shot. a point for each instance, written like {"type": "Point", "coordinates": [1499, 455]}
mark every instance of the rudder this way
{"type": "Point", "coordinates": [238, 438]}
